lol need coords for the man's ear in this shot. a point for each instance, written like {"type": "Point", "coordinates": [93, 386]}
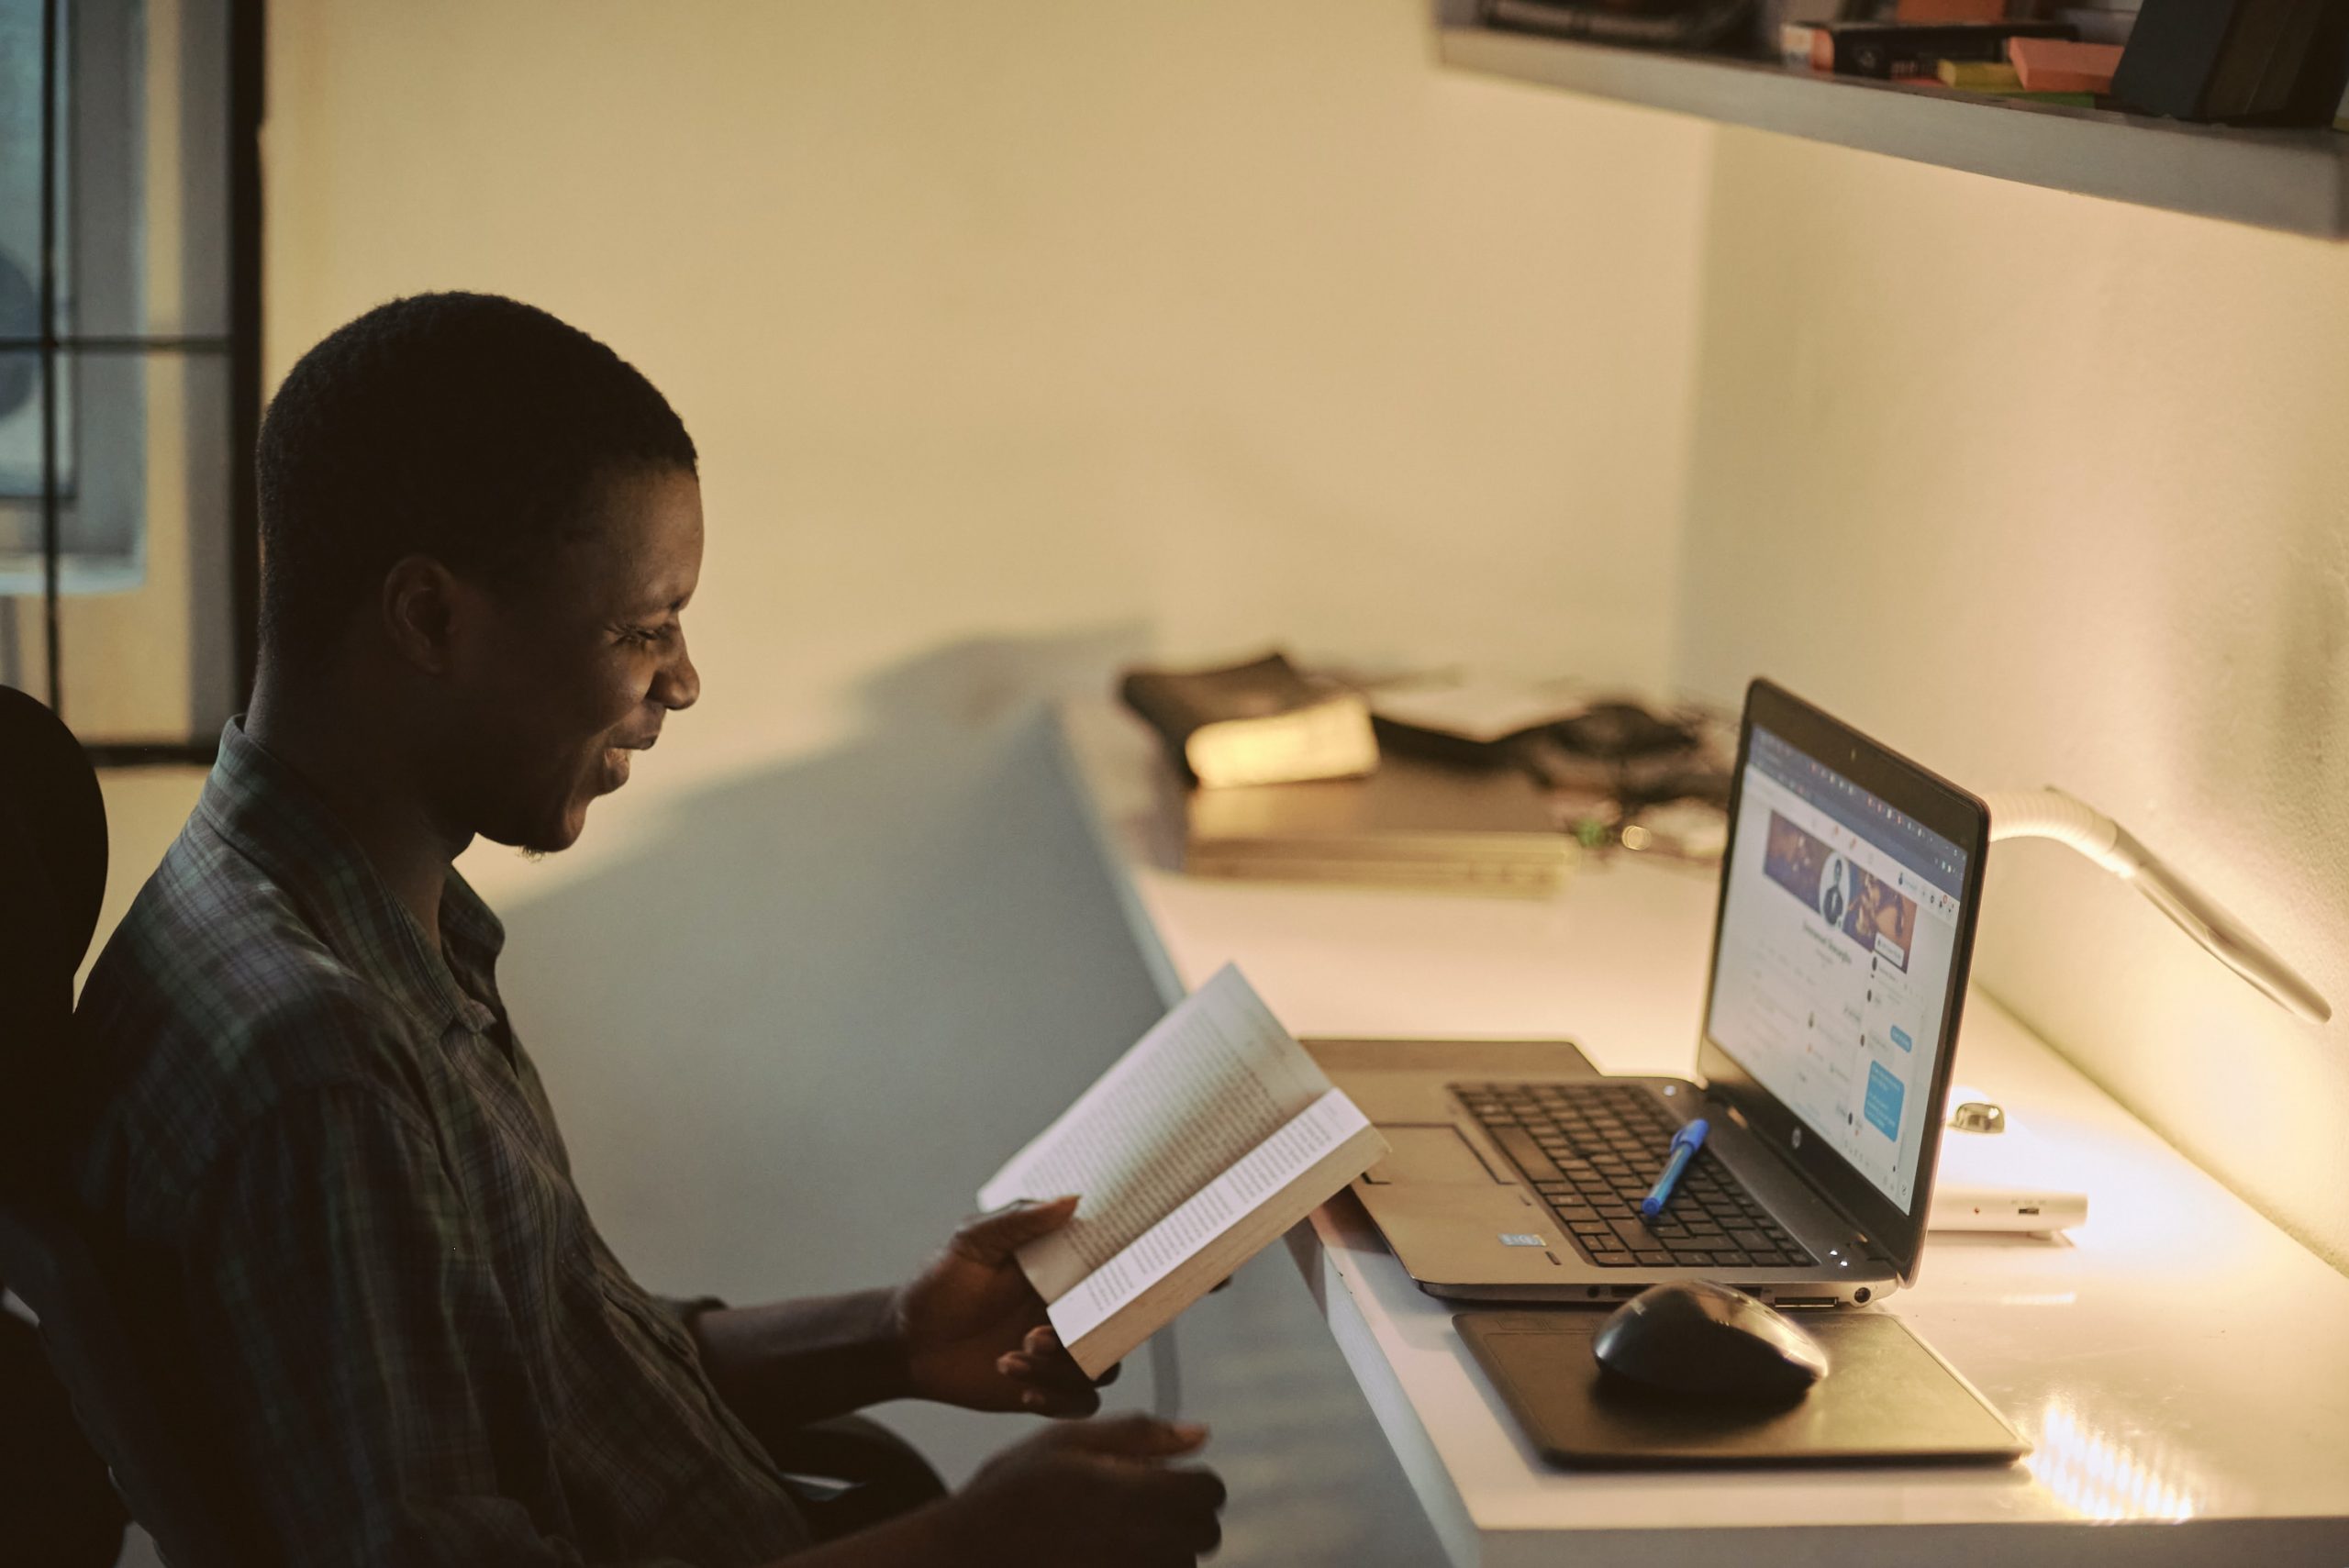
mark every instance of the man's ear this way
{"type": "Point", "coordinates": [420, 611]}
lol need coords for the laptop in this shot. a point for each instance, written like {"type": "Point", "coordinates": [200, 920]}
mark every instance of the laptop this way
{"type": "Point", "coordinates": [1842, 940]}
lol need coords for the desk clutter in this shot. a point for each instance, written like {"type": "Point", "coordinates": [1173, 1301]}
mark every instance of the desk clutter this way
{"type": "Point", "coordinates": [2280, 62]}
{"type": "Point", "coordinates": [1439, 783]}
{"type": "Point", "coordinates": [2138, 1407]}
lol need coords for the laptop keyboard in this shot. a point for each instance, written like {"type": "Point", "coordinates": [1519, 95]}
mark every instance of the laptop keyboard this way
{"type": "Point", "coordinates": [1593, 1151]}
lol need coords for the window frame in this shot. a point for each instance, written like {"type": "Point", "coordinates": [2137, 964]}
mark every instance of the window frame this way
{"type": "Point", "coordinates": [242, 342]}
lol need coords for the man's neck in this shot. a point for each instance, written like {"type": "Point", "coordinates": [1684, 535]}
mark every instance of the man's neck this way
{"type": "Point", "coordinates": [370, 783]}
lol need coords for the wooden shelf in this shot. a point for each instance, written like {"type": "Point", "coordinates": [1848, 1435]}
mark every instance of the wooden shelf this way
{"type": "Point", "coordinates": [2294, 179]}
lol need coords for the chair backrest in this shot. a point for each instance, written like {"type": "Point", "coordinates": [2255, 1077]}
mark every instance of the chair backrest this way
{"type": "Point", "coordinates": [52, 881]}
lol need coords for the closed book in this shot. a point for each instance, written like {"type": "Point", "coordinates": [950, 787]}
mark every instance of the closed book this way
{"type": "Point", "coordinates": [1413, 824]}
{"type": "Point", "coordinates": [1257, 723]}
{"type": "Point", "coordinates": [1979, 75]}
{"type": "Point", "coordinates": [1888, 49]}
{"type": "Point", "coordinates": [1991, 79]}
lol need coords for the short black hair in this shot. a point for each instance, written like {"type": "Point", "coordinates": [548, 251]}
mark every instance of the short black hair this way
{"type": "Point", "coordinates": [466, 426]}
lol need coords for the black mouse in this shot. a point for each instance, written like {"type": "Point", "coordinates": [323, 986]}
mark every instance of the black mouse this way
{"type": "Point", "coordinates": [1708, 1339]}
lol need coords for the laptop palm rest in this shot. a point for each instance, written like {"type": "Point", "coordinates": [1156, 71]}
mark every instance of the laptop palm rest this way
{"type": "Point", "coordinates": [1428, 1156]}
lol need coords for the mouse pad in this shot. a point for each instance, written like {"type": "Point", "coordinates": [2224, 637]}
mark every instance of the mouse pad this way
{"type": "Point", "coordinates": [1886, 1399]}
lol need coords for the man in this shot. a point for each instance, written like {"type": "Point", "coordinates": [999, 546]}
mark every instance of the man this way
{"type": "Point", "coordinates": [338, 1184]}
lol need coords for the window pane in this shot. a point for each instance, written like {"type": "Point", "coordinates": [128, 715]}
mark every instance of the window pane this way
{"type": "Point", "coordinates": [20, 474]}
{"type": "Point", "coordinates": [148, 632]}
{"type": "Point", "coordinates": [19, 169]}
{"type": "Point", "coordinates": [142, 132]}
{"type": "Point", "coordinates": [101, 406]}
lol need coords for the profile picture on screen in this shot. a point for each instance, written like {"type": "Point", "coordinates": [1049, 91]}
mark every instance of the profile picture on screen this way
{"type": "Point", "coordinates": [1832, 883]}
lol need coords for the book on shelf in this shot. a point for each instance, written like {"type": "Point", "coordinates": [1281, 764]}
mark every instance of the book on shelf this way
{"type": "Point", "coordinates": [1197, 1149]}
{"type": "Point", "coordinates": [1262, 722]}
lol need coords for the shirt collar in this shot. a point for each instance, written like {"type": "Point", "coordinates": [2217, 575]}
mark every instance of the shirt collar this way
{"type": "Point", "coordinates": [271, 814]}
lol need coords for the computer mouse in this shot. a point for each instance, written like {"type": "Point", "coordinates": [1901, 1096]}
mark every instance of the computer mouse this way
{"type": "Point", "coordinates": [1703, 1338]}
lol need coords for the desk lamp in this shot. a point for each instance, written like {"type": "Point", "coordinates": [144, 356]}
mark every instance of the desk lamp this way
{"type": "Point", "coordinates": [2051, 814]}
{"type": "Point", "coordinates": [2000, 1194]}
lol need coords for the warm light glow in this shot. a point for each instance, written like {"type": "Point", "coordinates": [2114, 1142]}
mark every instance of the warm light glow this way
{"type": "Point", "coordinates": [2098, 1478]}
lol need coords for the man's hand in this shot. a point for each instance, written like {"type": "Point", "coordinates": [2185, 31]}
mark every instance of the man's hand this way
{"type": "Point", "coordinates": [1091, 1494]}
{"type": "Point", "coordinates": [975, 1331]}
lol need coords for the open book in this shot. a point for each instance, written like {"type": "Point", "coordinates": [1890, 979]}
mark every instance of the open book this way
{"type": "Point", "coordinates": [1206, 1142]}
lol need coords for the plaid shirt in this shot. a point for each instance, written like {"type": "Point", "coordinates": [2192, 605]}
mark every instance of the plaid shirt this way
{"type": "Point", "coordinates": [341, 1193]}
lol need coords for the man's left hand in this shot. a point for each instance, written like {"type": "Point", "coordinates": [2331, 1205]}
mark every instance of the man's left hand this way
{"type": "Point", "coordinates": [974, 1329]}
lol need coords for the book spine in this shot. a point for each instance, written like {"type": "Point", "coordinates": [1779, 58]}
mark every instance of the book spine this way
{"type": "Point", "coordinates": [1161, 703]}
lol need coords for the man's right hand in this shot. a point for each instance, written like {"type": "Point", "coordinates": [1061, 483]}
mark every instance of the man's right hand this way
{"type": "Point", "coordinates": [1096, 1493]}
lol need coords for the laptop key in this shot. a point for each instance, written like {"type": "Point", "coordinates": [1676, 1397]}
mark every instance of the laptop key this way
{"type": "Point", "coordinates": [1615, 1259]}
{"type": "Point", "coordinates": [1635, 1235]}
{"type": "Point", "coordinates": [1519, 1145]}
{"type": "Point", "coordinates": [1752, 1240]}
{"type": "Point", "coordinates": [1593, 1227]}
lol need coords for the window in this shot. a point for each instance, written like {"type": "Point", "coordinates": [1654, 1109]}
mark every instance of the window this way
{"type": "Point", "coordinates": [129, 371]}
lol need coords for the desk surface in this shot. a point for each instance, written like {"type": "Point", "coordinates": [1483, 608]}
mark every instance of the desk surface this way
{"type": "Point", "coordinates": [2180, 1363]}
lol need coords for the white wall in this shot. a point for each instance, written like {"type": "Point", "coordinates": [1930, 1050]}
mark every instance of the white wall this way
{"type": "Point", "coordinates": [1018, 340]}
{"type": "Point", "coordinates": [2046, 489]}
{"type": "Point", "coordinates": [1207, 324]}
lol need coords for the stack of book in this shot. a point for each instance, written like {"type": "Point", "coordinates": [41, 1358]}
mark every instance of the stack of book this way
{"type": "Point", "coordinates": [1288, 784]}
{"type": "Point", "coordinates": [2251, 62]}
{"type": "Point", "coordinates": [2038, 61]}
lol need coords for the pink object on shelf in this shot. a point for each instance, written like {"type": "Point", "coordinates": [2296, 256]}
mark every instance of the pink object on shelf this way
{"type": "Point", "coordinates": [2052, 65]}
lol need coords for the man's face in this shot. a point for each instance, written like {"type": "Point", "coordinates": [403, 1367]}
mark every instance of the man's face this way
{"type": "Point", "coordinates": [571, 674]}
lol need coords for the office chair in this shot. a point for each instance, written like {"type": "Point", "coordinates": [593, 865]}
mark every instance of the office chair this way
{"type": "Point", "coordinates": [52, 879]}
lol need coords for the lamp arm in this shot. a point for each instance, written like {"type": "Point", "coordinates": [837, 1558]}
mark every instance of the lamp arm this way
{"type": "Point", "coordinates": [2051, 814]}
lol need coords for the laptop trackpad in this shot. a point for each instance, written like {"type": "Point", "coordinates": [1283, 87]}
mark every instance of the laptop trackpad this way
{"type": "Point", "coordinates": [1424, 1156]}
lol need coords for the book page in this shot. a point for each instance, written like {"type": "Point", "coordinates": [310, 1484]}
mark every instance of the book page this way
{"type": "Point", "coordinates": [1213, 1079]}
{"type": "Point", "coordinates": [1258, 1178]}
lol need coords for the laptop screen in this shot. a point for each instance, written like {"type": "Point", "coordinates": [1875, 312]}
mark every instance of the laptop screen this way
{"type": "Point", "coordinates": [1840, 921]}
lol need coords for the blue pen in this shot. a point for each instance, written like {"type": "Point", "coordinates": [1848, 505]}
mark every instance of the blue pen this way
{"type": "Point", "coordinates": [1685, 1144]}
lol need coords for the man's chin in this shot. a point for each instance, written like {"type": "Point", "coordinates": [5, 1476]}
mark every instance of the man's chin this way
{"type": "Point", "coordinates": [541, 840]}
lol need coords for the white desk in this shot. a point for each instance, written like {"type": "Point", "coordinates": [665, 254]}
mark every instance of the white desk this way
{"type": "Point", "coordinates": [2181, 1365]}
